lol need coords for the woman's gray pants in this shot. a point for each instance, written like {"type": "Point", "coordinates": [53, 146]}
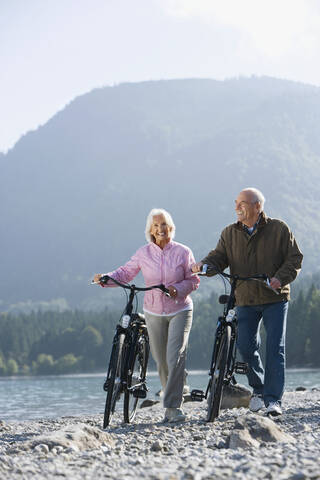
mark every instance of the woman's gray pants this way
{"type": "Point", "coordinates": [168, 344]}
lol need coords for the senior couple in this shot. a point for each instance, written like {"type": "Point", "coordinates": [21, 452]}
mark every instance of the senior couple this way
{"type": "Point", "coordinates": [254, 244]}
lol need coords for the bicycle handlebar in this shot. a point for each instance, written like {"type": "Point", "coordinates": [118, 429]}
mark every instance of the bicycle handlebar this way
{"type": "Point", "coordinates": [104, 279]}
{"type": "Point", "coordinates": [208, 269]}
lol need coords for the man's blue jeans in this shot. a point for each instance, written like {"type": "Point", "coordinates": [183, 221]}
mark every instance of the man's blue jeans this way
{"type": "Point", "coordinates": [268, 383]}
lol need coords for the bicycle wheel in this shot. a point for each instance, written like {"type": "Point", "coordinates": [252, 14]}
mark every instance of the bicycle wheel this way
{"type": "Point", "coordinates": [218, 376]}
{"type": "Point", "coordinates": [136, 377]}
{"type": "Point", "coordinates": [113, 381]}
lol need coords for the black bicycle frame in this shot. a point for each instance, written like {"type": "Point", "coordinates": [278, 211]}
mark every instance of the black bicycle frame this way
{"type": "Point", "coordinates": [131, 332]}
{"type": "Point", "coordinates": [136, 325]}
{"type": "Point", "coordinates": [221, 325]}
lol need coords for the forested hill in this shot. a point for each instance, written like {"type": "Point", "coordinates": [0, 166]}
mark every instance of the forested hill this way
{"type": "Point", "coordinates": [74, 194]}
{"type": "Point", "coordinates": [73, 341]}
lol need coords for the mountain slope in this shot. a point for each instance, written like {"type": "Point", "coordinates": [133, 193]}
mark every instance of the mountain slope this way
{"type": "Point", "coordinates": [76, 192]}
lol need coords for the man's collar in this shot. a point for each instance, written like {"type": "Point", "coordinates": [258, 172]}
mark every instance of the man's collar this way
{"type": "Point", "coordinates": [262, 220]}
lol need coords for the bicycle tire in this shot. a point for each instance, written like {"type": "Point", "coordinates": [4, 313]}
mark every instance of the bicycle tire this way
{"type": "Point", "coordinates": [113, 387]}
{"type": "Point", "coordinates": [218, 376]}
{"type": "Point", "coordinates": [136, 375]}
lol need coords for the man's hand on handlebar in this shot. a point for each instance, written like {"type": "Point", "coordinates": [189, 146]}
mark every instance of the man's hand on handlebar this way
{"type": "Point", "coordinates": [197, 267]}
{"type": "Point", "coordinates": [274, 283]}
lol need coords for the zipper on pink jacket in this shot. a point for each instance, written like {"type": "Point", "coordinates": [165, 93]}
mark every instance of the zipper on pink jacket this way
{"type": "Point", "coordinates": [162, 280]}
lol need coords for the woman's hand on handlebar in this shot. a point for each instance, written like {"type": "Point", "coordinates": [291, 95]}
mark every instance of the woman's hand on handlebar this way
{"type": "Point", "coordinates": [97, 278]}
{"type": "Point", "coordinates": [172, 291]}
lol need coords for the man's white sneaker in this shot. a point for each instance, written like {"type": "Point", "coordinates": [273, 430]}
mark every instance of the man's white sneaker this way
{"type": "Point", "coordinates": [274, 409]}
{"type": "Point", "coordinates": [174, 415]}
{"type": "Point", "coordinates": [256, 403]}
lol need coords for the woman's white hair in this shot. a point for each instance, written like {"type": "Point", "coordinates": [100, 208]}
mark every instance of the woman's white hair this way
{"type": "Point", "coordinates": [257, 196]}
{"type": "Point", "coordinates": [169, 221]}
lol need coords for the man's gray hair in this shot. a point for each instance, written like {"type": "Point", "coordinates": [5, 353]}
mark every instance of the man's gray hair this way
{"type": "Point", "coordinates": [167, 216]}
{"type": "Point", "coordinates": [257, 196]}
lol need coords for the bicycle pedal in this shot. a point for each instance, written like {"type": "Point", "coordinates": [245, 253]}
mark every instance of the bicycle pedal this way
{"type": "Point", "coordinates": [241, 368]}
{"type": "Point", "coordinates": [197, 395]}
{"type": "Point", "coordinates": [139, 393]}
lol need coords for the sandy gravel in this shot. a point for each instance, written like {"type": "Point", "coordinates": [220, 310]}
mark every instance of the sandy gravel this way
{"type": "Point", "coordinates": [239, 445]}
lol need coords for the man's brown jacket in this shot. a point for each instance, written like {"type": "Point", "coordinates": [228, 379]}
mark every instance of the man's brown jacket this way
{"type": "Point", "coordinates": [271, 249]}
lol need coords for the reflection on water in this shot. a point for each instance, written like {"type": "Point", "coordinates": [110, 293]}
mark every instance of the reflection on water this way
{"type": "Point", "coordinates": [26, 398]}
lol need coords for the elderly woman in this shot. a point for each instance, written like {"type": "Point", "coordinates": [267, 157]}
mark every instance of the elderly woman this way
{"type": "Point", "coordinates": [168, 319]}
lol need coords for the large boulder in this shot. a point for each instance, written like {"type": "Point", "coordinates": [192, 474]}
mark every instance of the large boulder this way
{"type": "Point", "coordinates": [251, 430]}
{"type": "Point", "coordinates": [74, 437]}
{"type": "Point", "coordinates": [235, 396]}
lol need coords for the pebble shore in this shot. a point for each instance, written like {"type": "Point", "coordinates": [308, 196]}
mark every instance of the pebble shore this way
{"type": "Point", "coordinates": [238, 445]}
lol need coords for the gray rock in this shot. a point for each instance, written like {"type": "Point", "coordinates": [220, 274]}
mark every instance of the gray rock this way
{"type": "Point", "coordinates": [76, 438]}
{"type": "Point", "coordinates": [41, 448]}
{"type": "Point", "coordinates": [196, 438]}
{"type": "Point", "coordinates": [58, 449]}
{"type": "Point", "coordinates": [298, 476]}
{"type": "Point", "coordinates": [242, 439]}
{"type": "Point", "coordinates": [4, 427]}
{"type": "Point", "coordinates": [235, 396]}
{"type": "Point", "coordinates": [148, 403]}
{"type": "Point", "coordinates": [262, 429]}
{"type": "Point", "coordinates": [157, 446]}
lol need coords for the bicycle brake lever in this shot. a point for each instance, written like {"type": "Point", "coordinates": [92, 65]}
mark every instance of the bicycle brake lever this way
{"type": "Point", "coordinates": [203, 271]}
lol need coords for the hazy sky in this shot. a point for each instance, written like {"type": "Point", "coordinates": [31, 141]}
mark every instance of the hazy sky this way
{"type": "Point", "coordinates": [54, 50]}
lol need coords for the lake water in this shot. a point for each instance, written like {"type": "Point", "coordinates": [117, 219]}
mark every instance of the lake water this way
{"type": "Point", "coordinates": [27, 398]}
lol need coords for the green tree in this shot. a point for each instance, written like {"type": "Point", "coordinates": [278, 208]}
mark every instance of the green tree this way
{"type": "Point", "coordinates": [67, 364]}
{"type": "Point", "coordinates": [312, 353]}
{"type": "Point", "coordinates": [206, 314]}
{"type": "Point", "coordinates": [12, 367]}
{"type": "Point", "coordinates": [44, 364]}
{"type": "Point", "coordinates": [90, 338]}
{"type": "Point", "coordinates": [3, 368]}
{"type": "Point", "coordinates": [25, 369]}
{"type": "Point", "coordinates": [297, 328]}
{"type": "Point", "coordinates": [90, 347]}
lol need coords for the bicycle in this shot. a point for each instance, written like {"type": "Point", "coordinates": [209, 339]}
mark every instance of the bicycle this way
{"type": "Point", "coordinates": [223, 361]}
{"type": "Point", "coordinates": [129, 357]}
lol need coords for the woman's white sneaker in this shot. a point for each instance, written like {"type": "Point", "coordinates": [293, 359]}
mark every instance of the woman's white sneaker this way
{"type": "Point", "coordinates": [174, 415]}
{"type": "Point", "coordinates": [256, 403]}
{"type": "Point", "coordinates": [274, 409]}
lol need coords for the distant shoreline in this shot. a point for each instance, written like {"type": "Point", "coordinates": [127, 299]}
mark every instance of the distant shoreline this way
{"type": "Point", "coordinates": [152, 373]}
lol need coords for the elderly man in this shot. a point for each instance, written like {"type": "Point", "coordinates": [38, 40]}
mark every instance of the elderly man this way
{"type": "Point", "coordinates": [258, 244]}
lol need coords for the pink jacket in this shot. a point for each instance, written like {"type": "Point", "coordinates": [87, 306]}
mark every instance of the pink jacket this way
{"type": "Point", "coordinates": [170, 266]}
